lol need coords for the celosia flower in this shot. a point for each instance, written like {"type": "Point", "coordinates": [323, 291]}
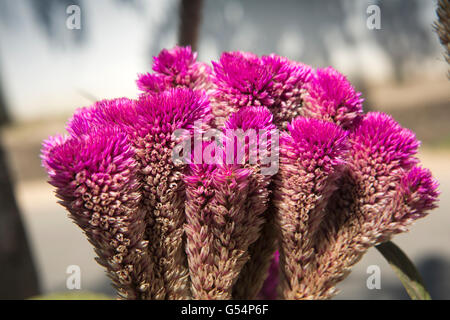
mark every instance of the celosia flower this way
{"type": "Point", "coordinates": [289, 79]}
{"type": "Point", "coordinates": [165, 230]}
{"type": "Point", "coordinates": [94, 176]}
{"type": "Point", "coordinates": [221, 223]}
{"type": "Point", "coordinates": [244, 121]}
{"type": "Point", "coordinates": [311, 160]}
{"type": "Point", "coordinates": [225, 210]}
{"type": "Point", "coordinates": [256, 118]}
{"type": "Point", "coordinates": [330, 96]}
{"type": "Point", "coordinates": [380, 136]}
{"type": "Point", "coordinates": [381, 193]}
{"type": "Point", "coordinates": [149, 124]}
{"type": "Point", "coordinates": [163, 189]}
{"type": "Point", "coordinates": [243, 79]}
{"type": "Point", "coordinates": [176, 68]}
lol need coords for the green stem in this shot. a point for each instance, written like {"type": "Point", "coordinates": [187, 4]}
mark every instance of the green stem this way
{"type": "Point", "coordinates": [405, 270]}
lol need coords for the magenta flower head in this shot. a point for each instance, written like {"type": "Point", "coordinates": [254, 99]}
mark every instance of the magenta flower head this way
{"type": "Point", "coordinates": [176, 68]}
{"type": "Point", "coordinates": [120, 112]}
{"type": "Point", "coordinates": [315, 143]}
{"type": "Point", "coordinates": [311, 159]}
{"type": "Point", "coordinates": [251, 137]}
{"type": "Point", "coordinates": [380, 138]}
{"type": "Point", "coordinates": [94, 176]}
{"type": "Point", "coordinates": [256, 118]}
{"type": "Point", "coordinates": [47, 146]}
{"type": "Point", "coordinates": [158, 113]}
{"type": "Point", "coordinates": [289, 79]}
{"type": "Point", "coordinates": [153, 82]}
{"type": "Point", "coordinates": [240, 80]}
{"type": "Point", "coordinates": [419, 194]}
{"type": "Point", "coordinates": [99, 153]}
{"type": "Point", "coordinates": [172, 109]}
{"type": "Point", "coordinates": [330, 96]}
{"type": "Point", "coordinates": [243, 79]}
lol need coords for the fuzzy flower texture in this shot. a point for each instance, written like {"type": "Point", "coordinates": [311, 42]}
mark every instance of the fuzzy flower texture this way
{"type": "Point", "coordinates": [169, 229]}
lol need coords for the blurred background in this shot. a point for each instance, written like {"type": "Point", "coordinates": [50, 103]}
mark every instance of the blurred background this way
{"type": "Point", "coordinates": [47, 70]}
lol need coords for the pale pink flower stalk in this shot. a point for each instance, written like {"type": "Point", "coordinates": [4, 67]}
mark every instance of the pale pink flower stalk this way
{"type": "Point", "coordinates": [219, 228]}
{"type": "Point", "coordinates": [94, 176]}
{"type": "Point", "coordinates": [244, 79]}
{"type": "Point", "coordinates": [311, 159]}
{"type": "Point", "coordinates": [225, 210]}
{"type": "Point", "coordinates": [164, 194]}
{"type": "Point", "coordinates": [150, 123]}
{"type": "Point", "coordinates": [381, 193]}
{"type": "Point", "coordinates": [174, 68]}
{"type": "Point", "coordinates": [255, 270]}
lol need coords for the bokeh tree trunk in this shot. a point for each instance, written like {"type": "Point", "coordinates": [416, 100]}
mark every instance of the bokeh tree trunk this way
{"type": "Point", "coordinates": [18, 276]}
{"type": "Point", "coordinates": [190, 19]}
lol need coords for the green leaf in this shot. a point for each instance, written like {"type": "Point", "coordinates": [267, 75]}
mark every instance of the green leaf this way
{"type": "Point", "coordinates": [405, 270]}
{"type": "Point", "coordinates": [83, 295]}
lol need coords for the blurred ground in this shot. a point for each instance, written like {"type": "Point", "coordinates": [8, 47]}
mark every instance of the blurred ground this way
{"type": "Point", "coordinates": [422, 107]}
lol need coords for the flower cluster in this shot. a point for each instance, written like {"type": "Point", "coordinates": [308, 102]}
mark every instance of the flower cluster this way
{"type": "Point", "coordinates": [221, 227]}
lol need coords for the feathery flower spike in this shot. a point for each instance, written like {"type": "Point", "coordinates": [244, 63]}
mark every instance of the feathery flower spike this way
{"type": "Point", "coordinates": [381, 193]}
{"type": "Point", "coordinates": [94, 178]}
{"type": "Point", "coordinates": [225, 210]}
{"type": "Point", "coordinates": [311, 160]}
{"type": "Point", "coordinates": [119, 112]}
{"type": "Point", "coordinates": [163, 192]}
{"type": "Point", "coordinates": [239, 80]}
{"type": "Point", "coordinates": [150, 123]}
{"type": "Point", "coordinates": [259, 119]}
